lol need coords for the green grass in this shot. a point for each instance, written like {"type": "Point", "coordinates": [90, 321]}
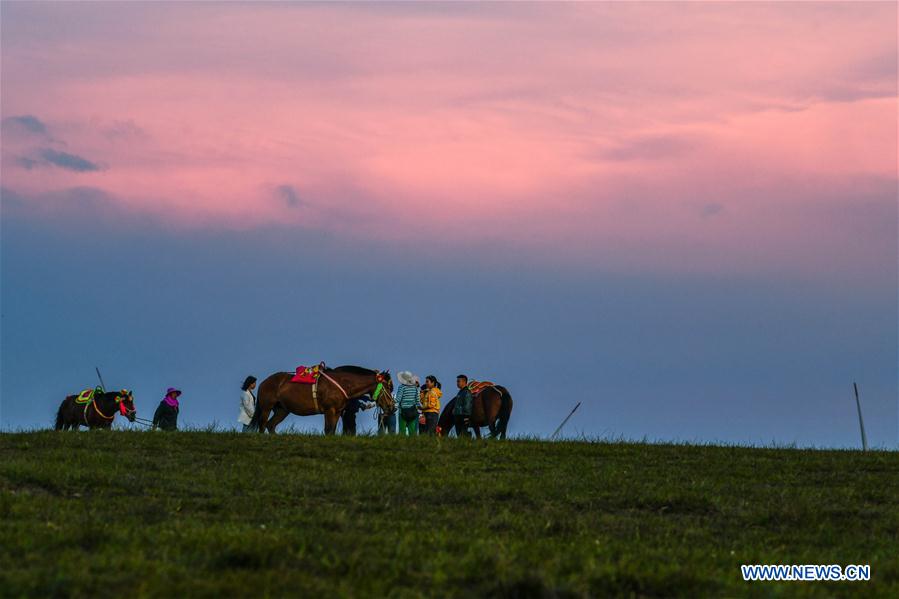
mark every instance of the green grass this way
{"type": "Point", "coordinates": [212, 514]}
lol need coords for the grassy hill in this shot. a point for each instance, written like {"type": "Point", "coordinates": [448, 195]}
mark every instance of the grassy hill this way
{"type": "Point", "coordinates": [212, 514]}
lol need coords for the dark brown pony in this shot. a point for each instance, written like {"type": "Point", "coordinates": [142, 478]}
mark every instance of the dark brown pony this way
{"type": "Point", "coordinates": [97, 413]}
{"type": "Point", "coordinates": [282, 397]}
{"type": "Point", "coordinates": [492, 407]}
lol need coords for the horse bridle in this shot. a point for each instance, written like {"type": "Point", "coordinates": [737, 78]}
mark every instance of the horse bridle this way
{"type": "Point", "coordinates": [123, 410]}
{"type": "Point", "coordinates": [381, 412]}
{"type": "Point", "coordinates": [378, 379]}
{"type": "Point", "coordinates": [384, 389]}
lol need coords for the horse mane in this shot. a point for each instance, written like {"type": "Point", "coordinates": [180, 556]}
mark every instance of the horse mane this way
{"type": "Point", "coordinates": [354, 370]}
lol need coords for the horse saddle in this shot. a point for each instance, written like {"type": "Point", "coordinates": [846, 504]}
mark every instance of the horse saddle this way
{"type": "Point", "coordinates": [86, 396]}
{"type": "Point", "coordinates": [476, 387]}
{"type": "Point", "coordinates": [308, 375]}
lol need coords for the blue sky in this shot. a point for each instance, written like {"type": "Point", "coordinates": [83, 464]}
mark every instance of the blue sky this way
{"type": "Point", "coordinates": [696, 358]}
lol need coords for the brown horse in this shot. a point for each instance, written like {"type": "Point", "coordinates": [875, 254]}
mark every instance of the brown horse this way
{"type": "Point", "coordinates": [491, 407]}
{"type": "Point", "coordinates": [335, 387]}
{"type": "Point", "coordinates": [97, 413]}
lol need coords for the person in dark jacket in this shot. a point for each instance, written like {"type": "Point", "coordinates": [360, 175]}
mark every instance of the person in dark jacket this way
{"type": "Point", "coordinates": [348, 417]}
{"type": "Point", "coordinates": [166, 416]}
{"type": "Point", "coordinates": [462, 407]}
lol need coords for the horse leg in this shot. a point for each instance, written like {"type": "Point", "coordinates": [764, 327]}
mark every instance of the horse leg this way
{"type": "Point", "coordinates": [491, 410]}
{"type": "Point", "coordinates": [331, 418]}
{"type": "Point", "coordinates": [63, 415]}
{"type": "Point", "coordinates": [477, 430]}
{"type": "Point", "coordinates": [492, 415]}
{"type": "Point", "coordinates": [266, 401]}
{"type": "Point", "coordinates": [264, 408]}
{"type": "Point", "coordinates": [280, 413]}
{"type": "Point", "coordinates": [262, 412]}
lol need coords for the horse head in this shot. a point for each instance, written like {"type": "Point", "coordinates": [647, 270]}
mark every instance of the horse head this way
{"type": "Point", "coordinates": [125, 399]}
{"type": "Point", "coordinates": [385, 401]}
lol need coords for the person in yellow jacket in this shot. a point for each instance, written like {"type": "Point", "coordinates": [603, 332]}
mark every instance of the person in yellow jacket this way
{"type": "Point", "coordinates": [430, 403]}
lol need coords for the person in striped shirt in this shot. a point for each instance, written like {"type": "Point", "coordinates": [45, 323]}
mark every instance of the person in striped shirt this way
{"type": "Point", "coordinates": [407, 403]}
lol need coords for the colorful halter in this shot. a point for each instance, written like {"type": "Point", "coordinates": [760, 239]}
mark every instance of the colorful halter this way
{"type": "Point", "coordinates": [119, 399]}
{"type": "Point", "coordinates": [377, 393]}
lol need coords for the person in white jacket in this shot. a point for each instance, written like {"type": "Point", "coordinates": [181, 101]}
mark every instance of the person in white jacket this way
{"type": "Point", "coordinates": [247, 403]}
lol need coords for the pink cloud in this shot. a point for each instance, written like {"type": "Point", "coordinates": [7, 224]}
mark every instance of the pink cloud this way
{"type": "Point", "coordinates": [639, 135]}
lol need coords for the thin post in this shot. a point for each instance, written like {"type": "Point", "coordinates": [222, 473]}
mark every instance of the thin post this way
{"type": "Point", "coordinates": [102, 384]}
{"type": "Point", "coordinates": [861, 423]}
{"type": "Point", "coordinates": [553, 436]}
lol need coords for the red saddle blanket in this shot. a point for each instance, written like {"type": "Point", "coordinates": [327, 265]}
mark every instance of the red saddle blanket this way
{"type": "Point", "coordinates": [477, 386]}
{"type": "Point", "coordinates": [308, 374]}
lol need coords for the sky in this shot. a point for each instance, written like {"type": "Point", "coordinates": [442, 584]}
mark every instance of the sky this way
{"type": "Point", "coordinates": [682, 215]}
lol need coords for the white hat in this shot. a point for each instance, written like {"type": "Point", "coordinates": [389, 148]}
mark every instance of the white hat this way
{"type": "Point", "coordinates": [406, 378]}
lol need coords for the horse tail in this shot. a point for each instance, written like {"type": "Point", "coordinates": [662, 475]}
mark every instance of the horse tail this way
{"type": "Point", "coordinates": [505, 411]}
{"type": "Point", "coordinates": [59, 416]}
{"type": "Point", "coordinates": [256, 420]}
{"type": "Point", "coordinates": [266, 399]}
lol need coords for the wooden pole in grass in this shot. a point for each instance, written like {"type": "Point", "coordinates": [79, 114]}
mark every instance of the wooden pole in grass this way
{"type": "Point", "coordinates": [861, 423]}
{"type": "Point", "coordinates": [553, 436]}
